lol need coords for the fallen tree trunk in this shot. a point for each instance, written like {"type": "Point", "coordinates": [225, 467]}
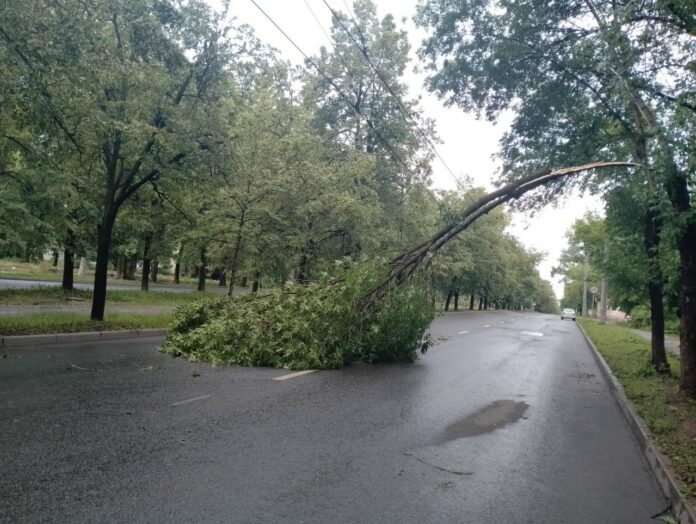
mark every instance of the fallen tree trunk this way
{"type": "Point", "coordinates": [403, 267]}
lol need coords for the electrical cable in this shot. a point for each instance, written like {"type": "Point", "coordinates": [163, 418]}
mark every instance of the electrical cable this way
{"type": "Point", "coordinates": [336, 88]}
{"type": "Point", "coordinates": [404, 111]}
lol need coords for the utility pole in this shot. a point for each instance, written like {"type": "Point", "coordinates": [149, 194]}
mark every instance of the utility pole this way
{"type": "Point", "coordinates": [584, 288]}
{"type": "Point", "coordinates": [603, 295]}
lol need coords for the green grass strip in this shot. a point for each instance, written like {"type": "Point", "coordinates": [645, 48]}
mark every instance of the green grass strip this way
{"type": "Point", "coordinates": [41, 323]}
{"type": "Point", "coordinates": [56, 295]}
{"type": "Point", "coordinates": [669, 415]}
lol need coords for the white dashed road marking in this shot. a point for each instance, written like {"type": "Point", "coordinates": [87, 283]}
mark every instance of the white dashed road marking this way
{"type": "Point", "coordinates": [190, 400]}
{"type": "Point", "coordinates": [533, 333]}
{"type": "Point", "coordinates": [487, 325]}
{"type": "Point", "coordinates": [463, 332]}
{"type": "Point", "coordinates": [296, 374]}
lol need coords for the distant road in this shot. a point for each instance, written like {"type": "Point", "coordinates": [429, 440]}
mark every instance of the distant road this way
{"type": "Point", "coordinates": [507, 419]}
{"type": "Point", "coordinates": [11, 283]}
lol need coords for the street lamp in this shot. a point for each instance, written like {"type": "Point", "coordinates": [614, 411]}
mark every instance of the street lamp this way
{"type": "Point", "coordinates": [594, 290]}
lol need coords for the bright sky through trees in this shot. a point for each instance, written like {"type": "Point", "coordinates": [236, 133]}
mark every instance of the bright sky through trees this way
{"type": "Point", "coordinates": [468, 144]}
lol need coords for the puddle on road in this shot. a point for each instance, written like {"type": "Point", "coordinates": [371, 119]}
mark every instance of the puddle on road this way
{"type": "Point", "coordinates": [495, 415]}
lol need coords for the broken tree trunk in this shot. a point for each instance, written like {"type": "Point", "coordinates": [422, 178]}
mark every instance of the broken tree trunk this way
{"type": "Point", "coordinates": [403, 267]}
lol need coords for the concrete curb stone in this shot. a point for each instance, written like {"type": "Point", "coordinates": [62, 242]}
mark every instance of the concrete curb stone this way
{"type": "Point", "coordinates": [90, 336]}
{"type": "Point", "coordinates": [659, 463]}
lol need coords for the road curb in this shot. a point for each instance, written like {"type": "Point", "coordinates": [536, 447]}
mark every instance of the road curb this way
{"type": "Point", "coordinates": [89, 336]}
{"type": "Point", "coordinates": [659, 463]}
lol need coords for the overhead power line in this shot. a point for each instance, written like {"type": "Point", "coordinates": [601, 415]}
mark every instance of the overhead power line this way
{"type": "Point", "coordinates": [316, 19]}
{"type": "Point", "coordinates": [402, 108]}
{"type": "Point", "coordinates": [335, 86]}
{"type": "Point", "coordinates": [351, 73]}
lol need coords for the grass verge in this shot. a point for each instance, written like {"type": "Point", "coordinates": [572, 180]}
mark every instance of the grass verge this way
{"type": "Point", "coordinates": [56, 295]}
{"type": "Point", "coordinates": [44, 270]}
{"type": "Point", "coordinates": [669, 415]}
{"type": "Point", "coordinates": [41, 323]}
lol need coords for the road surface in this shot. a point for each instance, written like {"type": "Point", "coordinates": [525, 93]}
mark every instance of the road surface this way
{"type": "Point", "coordinates": [506, 420]}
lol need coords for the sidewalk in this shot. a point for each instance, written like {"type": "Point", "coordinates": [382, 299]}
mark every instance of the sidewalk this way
{"type": "Point", "coordinates": [671, 341]}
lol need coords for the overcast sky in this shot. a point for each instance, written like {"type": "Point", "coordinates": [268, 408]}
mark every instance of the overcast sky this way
{"type": "Point", "coordinates": [469, 145]}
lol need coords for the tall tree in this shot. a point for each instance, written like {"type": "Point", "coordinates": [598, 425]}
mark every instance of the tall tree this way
{"type": "Point", "coordinates": [366, 106]}
{"type": "Point", "coordinates": [131, 86]}
{"type": "Point", "coordinates": [606, 59]}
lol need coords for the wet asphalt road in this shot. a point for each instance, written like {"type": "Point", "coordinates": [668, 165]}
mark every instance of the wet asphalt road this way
{"type": "Point", "coordinates": [495, 424]}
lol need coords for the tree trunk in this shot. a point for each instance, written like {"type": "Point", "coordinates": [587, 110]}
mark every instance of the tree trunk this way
{"type": "Point", "coordinates": [55, 258]}
{"type": "Point", "coordinates": [177, 266]}
{"type": "Point", "coordinates": [244, 281]}
{"type": "Point", "coordinates": [102, 268]}
{"type": "Point", "coordinates": [655, 291]}
{"type": "Point", "coordinates": [121, 266]}
{"type": "Point", "coordinates": [68, 267]}
{"type": "Point", "coordinates": [237, 250]}
{"type": "Point", "coordinates": [202, 270]}
{"type": "Point", "coordinates": [154, 270]}
{"type": "Point", "coordinates": [687, 306]}
{"type": "Point", "coordinates": [471, 302]}
{"type": "Point", "coordinates": [449, 297]}
{"type": "Point", "coordinates": [131, 263]}
{"type": "Point", "coordinates": [456, 300]}
{"type": "Point", "coordinates": [480, 307]}
{"type": "Point", "coordinates": [302, 272]}
{"type": "Point", "coordinates": [222, 282]}
{"type": "Point", "coordinates": [255, 283]}
{"type": "Point", "coordinates": [485, 303]}
{"type": "Point", "coordinates": [145, 277]}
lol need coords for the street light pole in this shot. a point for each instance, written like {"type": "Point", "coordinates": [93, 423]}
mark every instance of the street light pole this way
{"type": "Point", "coordinates": [584, 289]}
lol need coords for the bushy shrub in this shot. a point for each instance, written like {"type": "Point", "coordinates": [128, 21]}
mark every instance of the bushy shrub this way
{"type": "Point", "coordinates": [640, 318]}
{"type": "Point", "coordinates": [319, 326]}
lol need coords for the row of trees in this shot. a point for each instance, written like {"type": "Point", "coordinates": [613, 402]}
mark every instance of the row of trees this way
{"type": "Point", "coordinates": [590, 80]}
{"type": "Point", "coordinates": [138, 131]}
{"type": "Point", "coordinates": [487, 265]}
{"type": "Point", "coordinates": [610, 248]}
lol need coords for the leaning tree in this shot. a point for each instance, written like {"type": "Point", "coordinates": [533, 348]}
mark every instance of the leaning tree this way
{"type": "Point", "coordinates": [621, 72]}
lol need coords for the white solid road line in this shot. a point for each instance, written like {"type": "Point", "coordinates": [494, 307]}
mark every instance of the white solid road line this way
{"type": "Point", "coordinates": [190, 400]}
{"type": "Point", "coordinates": [463, 332]}
{"type": "Point", "coordinates": [296, 374]}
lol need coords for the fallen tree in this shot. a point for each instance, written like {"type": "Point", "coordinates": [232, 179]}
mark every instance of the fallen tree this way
{"type": "Point", "coordinates": [314, 326]}
{"type": "Point", "coordinates": [370, 313]}
{"type": "Point", "coordinates": [405, 265]}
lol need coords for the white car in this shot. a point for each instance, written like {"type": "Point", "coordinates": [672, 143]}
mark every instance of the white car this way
{"type": "Point", "coordinates": [568, 313]}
